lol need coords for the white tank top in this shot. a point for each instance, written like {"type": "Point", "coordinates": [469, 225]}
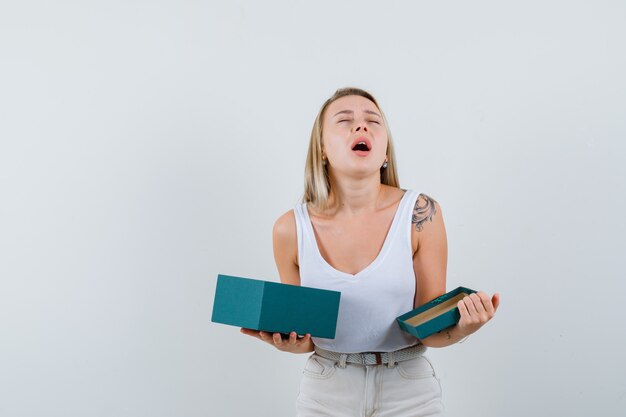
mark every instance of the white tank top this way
{"type": "Point", "coordinates": [371, 299]}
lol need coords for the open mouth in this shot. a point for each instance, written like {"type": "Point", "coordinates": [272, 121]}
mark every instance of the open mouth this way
{"type": "Point", "coordinates": [361, 146]}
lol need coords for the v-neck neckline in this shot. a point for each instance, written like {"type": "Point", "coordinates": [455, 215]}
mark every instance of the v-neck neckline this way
{"type": "Point", "coordinates": [377, 259]}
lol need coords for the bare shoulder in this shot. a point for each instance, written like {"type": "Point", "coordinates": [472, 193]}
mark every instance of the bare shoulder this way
{"type": "Point", "coordinates": [394, 194]}
{"type": "Point", "coordinates": [284, 233]}
{"type": "Point", "coordinates": [285, 242]}
{"type": "Point", "coordinates": [426, 221]}
{"type": "Point", "coordinates": [425, 209]}
{"type": "Point", "coordinates": [285, 225]}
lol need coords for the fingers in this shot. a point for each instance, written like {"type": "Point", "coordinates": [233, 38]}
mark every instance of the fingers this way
{"type": "Point", "coordinates": [477, 308]}
{"type": "Point", "coordinates": [465, 315]}
{"type": "Point", "coordinates": [250, 332]}
{"type": "Point", "coordinates": [471, 306]}
{"type": "Point", "coordinates": [486, 304]}
{"type": "Point", "coordinates": [269, 337]}
{"type": "Point", "coordinates": [305, 339]}
{"type": "Point", "coordinates": [496, 301]}
{"type": "Point", "coordinates": [293, 339]}
{"type": "Point", "coordinates": [281, 343]}
{"type": "Point", "coordinates": [276, 339]}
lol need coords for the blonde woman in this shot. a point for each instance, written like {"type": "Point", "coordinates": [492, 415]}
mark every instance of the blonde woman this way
{"type": "Point", "coordinates": [385, 249]}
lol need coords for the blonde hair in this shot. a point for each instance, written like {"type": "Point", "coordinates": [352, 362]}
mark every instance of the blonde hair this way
{"type": "Point", "coordinates": [316, 179]}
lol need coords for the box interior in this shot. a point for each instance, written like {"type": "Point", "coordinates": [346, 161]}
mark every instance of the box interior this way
{"type": "Point", "coordinates": [435, 311]}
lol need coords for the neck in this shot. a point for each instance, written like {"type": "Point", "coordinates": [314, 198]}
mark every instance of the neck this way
{"type": "Point", "coordinates": [356, 195]}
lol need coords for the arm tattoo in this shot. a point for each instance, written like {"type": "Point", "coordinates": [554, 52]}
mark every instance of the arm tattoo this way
{"type": "Point", "coordinates": [423, 212]}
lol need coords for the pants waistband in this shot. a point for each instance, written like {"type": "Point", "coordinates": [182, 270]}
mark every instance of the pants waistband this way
{"type": "Point", "coordinates": [373, 358]}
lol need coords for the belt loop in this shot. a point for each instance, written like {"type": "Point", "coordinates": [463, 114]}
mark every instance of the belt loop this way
{"type": "Point", "coordinates": [379, 360]}
{"type": "Point", "coordinates": [342, 360]}
{"type": "Point", "coordinates": [391, 360]}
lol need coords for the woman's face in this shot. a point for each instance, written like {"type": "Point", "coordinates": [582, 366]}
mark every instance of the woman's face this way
{"type": "Point", "coordinates": [349, 121]}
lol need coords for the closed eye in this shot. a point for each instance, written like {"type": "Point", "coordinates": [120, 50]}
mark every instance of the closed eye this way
{"type": "Point", "coordinates": [371, 121]}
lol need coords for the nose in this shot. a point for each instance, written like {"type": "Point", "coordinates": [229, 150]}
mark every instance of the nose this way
{"type": "Point", "coordinates": [360, 126]}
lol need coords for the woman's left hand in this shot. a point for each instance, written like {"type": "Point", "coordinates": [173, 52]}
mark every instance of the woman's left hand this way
{"type": "Point", "coordinates": [476, 309]}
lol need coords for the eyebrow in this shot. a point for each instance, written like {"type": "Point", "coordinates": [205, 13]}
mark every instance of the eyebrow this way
{"type": "Point", "coordinates": [351, 112]}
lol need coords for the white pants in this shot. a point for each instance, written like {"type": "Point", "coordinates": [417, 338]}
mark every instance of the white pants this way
{"type": "Point", "coordinates": [407, 389]}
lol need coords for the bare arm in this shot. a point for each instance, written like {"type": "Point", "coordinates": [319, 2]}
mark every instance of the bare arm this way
{"type": "Point", "coordinates": [285, 242]}
{"type": "Point", "coordinates": [430, 264]}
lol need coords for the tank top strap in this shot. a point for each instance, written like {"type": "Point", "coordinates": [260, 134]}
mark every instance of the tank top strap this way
{"type": "Point", "coordinates": [302, 231]}
{"type": "Point", "coordinates": [405, 217]}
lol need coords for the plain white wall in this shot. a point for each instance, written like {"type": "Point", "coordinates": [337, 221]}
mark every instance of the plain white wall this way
{"type": "Point", "coordinates": [148, 146]}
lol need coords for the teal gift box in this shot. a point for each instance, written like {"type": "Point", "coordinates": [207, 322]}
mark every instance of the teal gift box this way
{"type": "Point", "coordinates": [435, 315]}
{"type": "Point", "coordinates": [275, 307]}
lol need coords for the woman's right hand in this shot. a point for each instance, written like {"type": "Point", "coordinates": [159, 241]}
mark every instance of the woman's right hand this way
{"type": "Point", "coordinates": [293, 344]}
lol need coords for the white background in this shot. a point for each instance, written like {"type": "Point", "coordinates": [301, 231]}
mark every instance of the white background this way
{"type": "Point", "coordinates": [148, 146]}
